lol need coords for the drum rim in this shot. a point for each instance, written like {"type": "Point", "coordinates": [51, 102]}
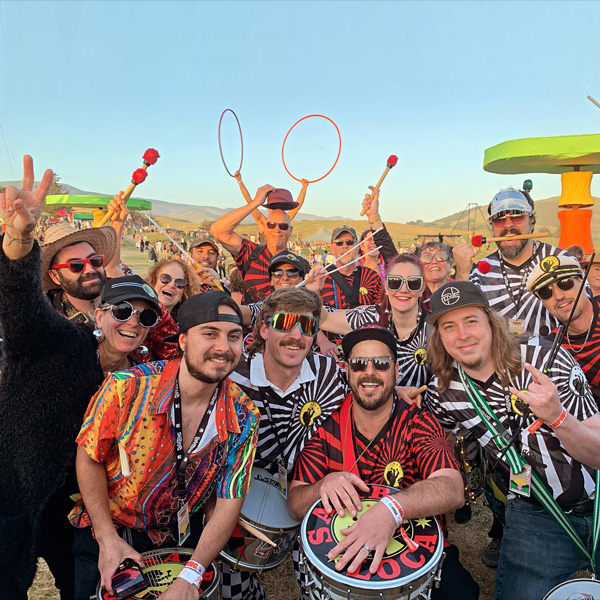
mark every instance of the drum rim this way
{"type": "Point", "coordinates": [339, 577]}
{"type": "Point", "coordinates": [569, 581]}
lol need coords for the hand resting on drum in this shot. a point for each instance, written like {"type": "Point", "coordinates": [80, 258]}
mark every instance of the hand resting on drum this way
{"type": "Point", "coordinates": [339, 489]}
{"type": "Point", "coordinates": [113, 551]}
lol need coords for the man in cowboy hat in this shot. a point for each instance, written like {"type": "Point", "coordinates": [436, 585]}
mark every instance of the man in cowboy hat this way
{"type": "Point", "coordinates": [76, 264]}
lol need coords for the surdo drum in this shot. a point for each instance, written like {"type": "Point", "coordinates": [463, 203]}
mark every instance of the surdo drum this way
{"type": "Point", "coordinates": [402, 575]}
{"type": "Point", "coordinates": [162, 567]}
{"type": "Point", "coordinates": [265, 509]}
{"type": "Point", "coordinates": [575, 589]}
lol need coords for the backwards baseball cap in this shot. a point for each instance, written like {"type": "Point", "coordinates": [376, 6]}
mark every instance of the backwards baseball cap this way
{"type": "Point", "coordinates": [130, 287]}
{"type": "Point", "coordinates": [343, 229]}
{"type": "Point", "coordinates": [453, 295]}
{"type": "Point", "coordinates": [370, 332]}
{"type": "Point", "coordinates": [280, 199]}
{"type": "Point", "coordinates": [204, 308]}
{"type": "Point", "coordinates": [202, 242]}
{"type": "Point", "coordinates": [551, 269]}
{"type": "Point", "coordinates": [509, 200]}
{"type": "Point", "coordinates": [285, 256]}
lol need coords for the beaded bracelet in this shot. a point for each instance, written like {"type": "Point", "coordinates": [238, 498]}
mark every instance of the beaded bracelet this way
{"type": "Point", "coordinates": [560, 420]}
{"type": "Point", "coordinates": [395, 508]}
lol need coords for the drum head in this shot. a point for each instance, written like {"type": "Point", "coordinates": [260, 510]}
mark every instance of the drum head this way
{"type": "Point", "coordinates": [575, 589]}
{"type": "Point", "coordinates": [161, 568]}
{"type": "Point", "coordinates": [321, 532]}
{"type": "Point", "coordinates": [264, 503]}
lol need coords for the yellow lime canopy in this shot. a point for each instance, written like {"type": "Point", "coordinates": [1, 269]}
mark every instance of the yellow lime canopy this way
{"type": "Point", "coordinates": [557, 154]}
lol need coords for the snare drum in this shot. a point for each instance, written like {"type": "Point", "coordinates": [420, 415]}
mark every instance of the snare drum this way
{"type": "Point", "coordinates": [401, 575]}
{"type": "Point", "coordinates": [162, 567]}
{"type": "Point", "coordinates": [575, 589]}
{"type": "Point", "coordinates": [264, 509]}
{"type": "Point", "coordinates": [470, 457]}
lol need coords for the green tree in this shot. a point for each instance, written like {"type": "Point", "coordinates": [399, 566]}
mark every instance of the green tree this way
{"type": "Point", "coordinates": [56, 187]}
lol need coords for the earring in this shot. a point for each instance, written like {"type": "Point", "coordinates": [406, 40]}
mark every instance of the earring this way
{"type": "Point", "coordinates": [98, 335]}
{"type": "Point", "coordinates": [142, 351]}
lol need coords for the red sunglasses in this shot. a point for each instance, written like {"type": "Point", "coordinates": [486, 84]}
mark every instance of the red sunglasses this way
{"type": "Point", "coordinates": [96, 261]}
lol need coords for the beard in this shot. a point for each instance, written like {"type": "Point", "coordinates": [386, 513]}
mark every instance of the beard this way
{"type": "Point", "coordinates": [78, 290]}
{"type": "Point", "coordinates": [202, 374]}
{"type": "Point", "coordinates": [511, 252]}
{"type": "Point", "coordinates": [374, 402]}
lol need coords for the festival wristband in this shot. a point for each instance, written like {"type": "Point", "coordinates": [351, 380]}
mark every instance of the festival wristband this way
{"type": "Point", "coordinates": [192, 573]}
{"type": "Point", "coordinates": [560, 420]}
{"type": "Point", "coordinates": [394, 507]}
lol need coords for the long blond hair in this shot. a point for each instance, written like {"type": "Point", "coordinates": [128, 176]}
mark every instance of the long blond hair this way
{"type": "Point", "coordinates": [506, 354]}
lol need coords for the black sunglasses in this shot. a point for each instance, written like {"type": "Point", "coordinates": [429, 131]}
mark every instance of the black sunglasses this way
{"type": "Point", "coordinates": [282, 226]}
{"type": "Point", "coordinates": [359, 364]}
{"type": "Point", "coordinates": [546, 292]}
{"type": "Point", "coordinates": [123, 311]}
{"type": "Point", "coordinates": [178, 283]}
{"type": "Point", "coordinates": [414, 283]}
{"type": "Point", "coordinates": [342, 242]}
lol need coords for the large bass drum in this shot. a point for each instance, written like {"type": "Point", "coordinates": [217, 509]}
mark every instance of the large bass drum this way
{"type": "Point", "coordinates": [162, 567]}
{"type": "Point", "coordinates": [265, 510]}
{"type": "Point", "coordinates": [402, 575]}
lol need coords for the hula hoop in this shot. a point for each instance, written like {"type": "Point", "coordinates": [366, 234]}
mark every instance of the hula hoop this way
{"type": "Point", "coordinates": [241, 141]}
{"type": "Point", "coordinates": [290, 131]}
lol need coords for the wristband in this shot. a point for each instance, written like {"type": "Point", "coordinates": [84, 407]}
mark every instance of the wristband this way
{"type": "Point", "coordinates": [192, 573]}
{"type": "Point", "coordinates": [395, 508]}
{"type": "Point", "coordinates": [560, 420]}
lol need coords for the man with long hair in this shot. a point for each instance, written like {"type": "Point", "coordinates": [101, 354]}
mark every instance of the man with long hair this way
{"type": "Point", "coordinates": [496, 388]}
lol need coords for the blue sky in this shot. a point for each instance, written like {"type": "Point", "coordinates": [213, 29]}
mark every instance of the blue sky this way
{"type": "Point", "coordinates": [86, 87]}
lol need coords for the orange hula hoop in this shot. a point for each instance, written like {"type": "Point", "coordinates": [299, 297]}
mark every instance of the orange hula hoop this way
{"type": "Point", "coordinates": [290, 131]}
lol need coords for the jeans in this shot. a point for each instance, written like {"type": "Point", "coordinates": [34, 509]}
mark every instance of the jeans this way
{"type": "Point", "coordinates": [536, 553]}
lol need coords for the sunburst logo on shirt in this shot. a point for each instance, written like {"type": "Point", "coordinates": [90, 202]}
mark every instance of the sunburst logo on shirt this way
{"type": "Point", "coordinates": [310, 411]}
{"type": "Point", "coordinates": [420, 356]}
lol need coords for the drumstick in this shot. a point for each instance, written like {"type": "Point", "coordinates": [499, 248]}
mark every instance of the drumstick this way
{"type": "Point", "coordinates": [216, 283]}
{"type": "Point", "coordinates": [479, 240]}
{"type": "Point", "coordinates": [391, 162]}
{"type": "Point", "coordinates": [124, 460]}
{"type": "Point", "coordinates": [414, 394]}
{"type": "Point", "coordinates": [139, 175]}
{"type": "Point", "coordinates": [256, 533]}
{"type": "Point", "coordinates": [593, 101]}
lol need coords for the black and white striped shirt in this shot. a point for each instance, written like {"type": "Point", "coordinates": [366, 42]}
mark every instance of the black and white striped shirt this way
{"type": "Point", "coordinates": [568, 480]}
{"type": "Point", "coordinates": [517, 302]}
{"type": "Point", "coordinates": [411, 352]}
{"type": "Point", "coordinates": [296, 414]}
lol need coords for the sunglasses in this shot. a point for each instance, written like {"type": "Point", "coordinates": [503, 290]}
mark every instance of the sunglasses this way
{"type": "Point", "coordinates": [516, 217]}
{"type": "Point", "coordinates": [414, 283]}
{"type": "Point", "coordinates": [123, 311]}
{"type": "Point", "coordinates": [342, 242]}
{"type": "Point", "coordinates": [78, 265]}
{"type": "Point", "coordinates": [282, 226]}
{"type": "Point", "coordinates": [178, 283]}
{"type": "Point", "coordinates": [546, 292]}
{"type": "Point", "coordinates": [358, 364]}
{"type": "Point", "coordinates": [291, 273]}
{"type": "Point", "coordinates": [283, 321]}
{"type": "Point", "coordinates": [428, 257]}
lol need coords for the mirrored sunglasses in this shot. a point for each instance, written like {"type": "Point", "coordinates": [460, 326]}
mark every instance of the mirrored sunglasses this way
{"type": "Point", "coordinates": [342, 242]}
{"type": "Point", "coordinates": [517, 217]}
{"type": "Point", "coordinates": [123, 311]}
{"type": "Point", "coordinates": [414, 283]}
{"type": "Point", "coordinates": [359, 364]}
{"type": "Point", "coordinates": [284, 321]}
{"type": "Point", "coordinates": [178, 283]}
{"type": "Point", "coordinates": [428, 257]}
{"type": "Point", "coordinates": [282, 226]}
{"type": "Point", "coordinates": [546, 292]}
{"type": "Point", "coordinates": [291, 273]}
{"type": "Point", "coordinates": [96, 261]}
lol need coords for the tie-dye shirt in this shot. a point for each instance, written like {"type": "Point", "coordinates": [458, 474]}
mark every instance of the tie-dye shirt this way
{"type": "Point", "coordinates": [133, 410]}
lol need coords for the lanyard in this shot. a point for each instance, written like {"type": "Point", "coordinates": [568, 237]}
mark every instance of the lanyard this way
{"type": "Point", "coordinates": [182, 458]}
{"type": "Point", "coordinates": [517, 462]}
{"type": "Point", "coordinates": [523, 284]}
{"type": "Point", "coordinates": [264, 397]}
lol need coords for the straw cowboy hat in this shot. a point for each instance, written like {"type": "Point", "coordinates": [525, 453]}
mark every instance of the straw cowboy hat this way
{"type": "Point", "coordinates": [102, 239]}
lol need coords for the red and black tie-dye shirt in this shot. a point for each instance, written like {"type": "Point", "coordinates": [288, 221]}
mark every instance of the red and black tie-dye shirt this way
{"type": "Point", "coordinates": [369, 291]}
{"type": "Point", "coordinates": [253, 263]}
{"type": "Point", "coordinates": [412, 448]}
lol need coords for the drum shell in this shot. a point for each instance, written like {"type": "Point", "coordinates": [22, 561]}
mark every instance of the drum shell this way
{"type": "Point", "coordinates": [569, 590]}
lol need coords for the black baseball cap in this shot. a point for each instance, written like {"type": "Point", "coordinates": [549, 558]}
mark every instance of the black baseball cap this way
{"type": "Point", "coordinates": [204, 308]}
{"type": "Point", "coordinates": [285, 256]}
{"type": "Point", "coordinates": [370, 332]}
{"type": "Point", "coordinates": [343, 229]}
{"type": "Point", "coordinates": [453, 295]}
{"type": "Point", "coordinates": [130, 287]}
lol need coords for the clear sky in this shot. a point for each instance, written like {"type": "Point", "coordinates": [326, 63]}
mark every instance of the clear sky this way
{"type": "Point", "coordinates": [86, 87]}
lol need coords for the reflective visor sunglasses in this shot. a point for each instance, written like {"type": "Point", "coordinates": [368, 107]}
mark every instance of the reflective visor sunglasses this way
{"type": "Point", "coordinates": [123, 311]}
{"type": "Point", "coordinates": [282, 226]}
{"type": "Point", "coordinates": [291, 273]}
{"type": "Point", "coordinates": [358, 364]}
{"type": "Point", "coordinates": [414, 283]}
{"type": "Point", "coordinates": [178, 283]}
{"type": "Point", "coordinates": [283, 321]}
{"type": "Point", "coordinates": [77, 265]}
{"type": "Point", "coordinates": [342, 242]}
{"type": "Point", "coordinates": [516, 217]}
{"type": "Point", "coordinates": [429, 257]}
{"type": "Point", "coordinates": [546, 292]}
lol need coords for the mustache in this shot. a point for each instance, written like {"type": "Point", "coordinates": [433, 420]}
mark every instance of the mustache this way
{"type": "Point", "coordinates": [369, 379]}
{"type": "Point", "coordinates": [90, 277]}
{"type": "Point", "coordinates": [299, 343]}
{"type": "Point", "coordinates": [226, 355]}
{"type": "Point", "coordinates": [512, 230]}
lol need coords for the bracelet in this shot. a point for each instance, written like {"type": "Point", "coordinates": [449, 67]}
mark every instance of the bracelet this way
{"type": "Point", "coordinates": [192, 573]}
{"type": "Point", "coordinates": [560, 420]}
{"type": "Point", "coordinates": [19, 240]}
{"type": "Point", "coordinates": [395, 508]}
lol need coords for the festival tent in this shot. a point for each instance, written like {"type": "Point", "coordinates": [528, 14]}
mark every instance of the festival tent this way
{"type": "Point", "coordinates": [94, 201]}
{"type": "Point", "coordinates": [320, 237]}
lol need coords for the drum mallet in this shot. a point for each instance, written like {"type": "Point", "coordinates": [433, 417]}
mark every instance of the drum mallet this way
{"type": "Point", "coordinates": [391, 162]}
{"type": "Point", "coordinates": [480, 240]}
{"type": "Point", "coordinates": [139, 176]}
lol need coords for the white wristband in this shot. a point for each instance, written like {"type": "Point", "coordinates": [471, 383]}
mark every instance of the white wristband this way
{"type": "Point", "coordinates": [395, 508]}
{"type": "Point", "coordinates": [191, 576]}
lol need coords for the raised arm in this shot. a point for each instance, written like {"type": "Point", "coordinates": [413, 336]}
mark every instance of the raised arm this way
{"type": "Point", "coordinates": [260, 219]}
{"type": "Point", "coordinates": [300, 200]}
{"type": "Point", "coordinates": [381, 238]}
{"type": "Point", "coordinates": [119, 212]}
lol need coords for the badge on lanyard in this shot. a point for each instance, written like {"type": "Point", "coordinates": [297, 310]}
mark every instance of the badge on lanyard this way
{"type": "Point", "coordinates": [283, 473]}
{"type": "Point", "coordinates": [516, 326]}
{"type": "Point", "coordinates": [520, 483]}
{"type": "Point", "coordinates": [183, 523]}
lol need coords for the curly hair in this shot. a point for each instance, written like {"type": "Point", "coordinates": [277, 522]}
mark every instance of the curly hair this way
{"type": "Point", "coordinates": [437, 245]}
{"type": "Point", "coordinates": [294, 300]}
{"type": "Point", "coordinates": [192, 286]}
{"type": "Point", "coordinates": [506, 354]}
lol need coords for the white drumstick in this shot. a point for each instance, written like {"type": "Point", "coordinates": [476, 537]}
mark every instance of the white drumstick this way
{"type": "Point", "coordinates": [256, 533]}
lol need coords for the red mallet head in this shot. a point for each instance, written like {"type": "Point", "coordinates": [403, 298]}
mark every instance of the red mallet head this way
{"type": "Point", "coordinates": [150, 156]}
{"type": "Point", "coordinates": [139, 176]}
{"type": "Point", "coordinates": [392, 160]}
{"type": "Point", "coordinates": [478, 241]}
{"type": "Point", "coordinates": [483, 266]}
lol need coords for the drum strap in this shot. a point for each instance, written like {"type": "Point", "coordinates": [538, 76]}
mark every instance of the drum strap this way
{"type": "Point", "coordinates": [516, 462]}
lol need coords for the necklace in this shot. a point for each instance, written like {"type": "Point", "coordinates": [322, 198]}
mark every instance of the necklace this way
{"type": "Point", "coordinates": [587, 337]}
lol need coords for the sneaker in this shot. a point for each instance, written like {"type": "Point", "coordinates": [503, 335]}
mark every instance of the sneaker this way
{"type": "Point", "coordinates": [463, 514]}
{"type": "Point", "coordinates": [491, 554]}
